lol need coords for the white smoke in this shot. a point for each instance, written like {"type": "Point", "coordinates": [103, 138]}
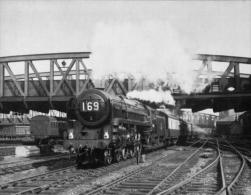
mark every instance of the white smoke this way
{"type": "Point", "coordinates": [152, 96]}
{"type": "Point", "coordinates": [199, 130]}
{"type": "Point", "coordinates": [151, 49]}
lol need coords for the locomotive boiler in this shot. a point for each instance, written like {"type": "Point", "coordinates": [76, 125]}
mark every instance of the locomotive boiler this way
{"type": "Point", "coordinates": [109, 128]}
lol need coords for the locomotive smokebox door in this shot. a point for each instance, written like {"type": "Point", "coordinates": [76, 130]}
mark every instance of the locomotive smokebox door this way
{"type": "Point", "coordinates": [93, 108]}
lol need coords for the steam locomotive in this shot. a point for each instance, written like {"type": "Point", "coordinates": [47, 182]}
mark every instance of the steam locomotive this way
{"type": "Point", "coordinates": [108, 128]}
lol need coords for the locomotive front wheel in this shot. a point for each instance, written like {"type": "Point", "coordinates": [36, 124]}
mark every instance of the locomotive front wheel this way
{"type": "Point", "coordinates": [78, 162]}
{"type": "Point", "coordinates": [124, 154]}
{"type": "Point", "coordinates": [107, 158]}
{"type": "Point", "coordinates": [117, 157]}
{"type": "Point", "coordinates": [131, 153]}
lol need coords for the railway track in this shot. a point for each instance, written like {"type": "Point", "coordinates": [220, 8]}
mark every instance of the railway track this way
{"type": "Point", "coordinates": [232, 164]}
{"type": "Point", "coordinates": [227, 170]}
{"type": "Point", "coordinates": [7, 150]}
{"type": "Point", "coordinates": [243, 185]}
{"type": "Point", "coordinates": [229, 173]}
{"type": "Point", "coordinates": [26, 164]}
{"type": "Point", "coordinates": [59, 180]}
{"type": "Point", "coordinates": [197, 182]}
{"type": "Point", "coordinates": [241, 182]}
{"type": "Point", "coordinates": [244, 151]}
{"type": "Point", "coordinates": [146, 179]}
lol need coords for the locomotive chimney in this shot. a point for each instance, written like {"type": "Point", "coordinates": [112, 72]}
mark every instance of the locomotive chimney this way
{"type": "Point", "coordinates": [128, 83]}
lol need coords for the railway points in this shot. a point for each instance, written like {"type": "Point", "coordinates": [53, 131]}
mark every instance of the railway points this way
{"type": "Point", "coordinates": [60, 180]}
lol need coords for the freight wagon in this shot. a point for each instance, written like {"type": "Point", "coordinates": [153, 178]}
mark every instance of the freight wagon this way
{"type": "Point", "coordinates": [14, 132]}
{"type": "Point", "coordinates": [47, 129]}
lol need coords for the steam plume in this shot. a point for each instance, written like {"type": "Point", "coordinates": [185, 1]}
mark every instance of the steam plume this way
{"type": "Point", "coordinates": [151, 49]}
{"type": "Point", "coordinates": [153, 96]}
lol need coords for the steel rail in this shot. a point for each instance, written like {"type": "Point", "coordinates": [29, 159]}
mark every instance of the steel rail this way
{"type": "Point", "coordinates": [122, 178]}
{"type": "Point", "coordinates": [72, 175]}
{"type": "Point", "coordinates": [32, 160]}
{"type": "Point", "coordinates": [42, 187]}
{"type": "Point", "coordinates": [236, 178]}
{"type": "Point", "coordinates": [19, 166]}
{"type": "Point", "coordinates": [186, 181]}
{"type": "Point", "coordinates": [177, 168]}
{"type": "Point", "coordinates": [222, 190]}
{"type": "Point", "coordinates": [245, 150]}
{"type": "Point", "coordinates": [31, 177]}
{"type": "Point", "coordinates": [137, 172]}
{"type": "Point", "coordinates": [47, 186]}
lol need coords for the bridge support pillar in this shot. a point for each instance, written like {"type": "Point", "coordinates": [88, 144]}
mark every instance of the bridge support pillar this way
{"type": "Point", "coordinates": [1, 79]}
{"type": "Point", "coordinates": [237, 77]}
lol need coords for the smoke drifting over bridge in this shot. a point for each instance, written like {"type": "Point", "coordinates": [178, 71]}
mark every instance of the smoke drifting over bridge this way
{"type": "Point", "coordinates": [150, 49]}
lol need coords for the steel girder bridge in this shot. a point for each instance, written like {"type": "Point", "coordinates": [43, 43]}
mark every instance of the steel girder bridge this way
{"type": "Point", "coordinates": [228, 90]}
{"type": "Point", "coordinates": [68, 77]}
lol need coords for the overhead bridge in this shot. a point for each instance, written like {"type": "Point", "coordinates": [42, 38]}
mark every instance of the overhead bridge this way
{"type": "Point", "coordinates": [227, 90]}
{"type": "Point", "coordinates": [67, 77]}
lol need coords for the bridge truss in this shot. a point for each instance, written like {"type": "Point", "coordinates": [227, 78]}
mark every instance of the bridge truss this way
{"type": "Point", "coordinates": [42, 91]}
{"type": "Point", "coordinates": [67, 77]}
{"type": "Point", "coordinates": [228, 90]}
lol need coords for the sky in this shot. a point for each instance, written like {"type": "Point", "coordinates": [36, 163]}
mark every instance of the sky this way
{"type": "Point", "coordinates": [150, 37]}
{"type": "Point", "coordinates": [215, 27]}
{"type": "Point", "coordinates": [138, 37]}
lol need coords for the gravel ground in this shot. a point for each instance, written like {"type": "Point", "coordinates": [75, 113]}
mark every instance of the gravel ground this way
{"type": "Point", "coordinates": [112, 176]}
{"type": "Point", "coordinates": [202, 162]}
{"type": "Point", "coordinates": [22, 174]}
{"type": "Point", "coordinates": [33, 172]}
{"type": "Point", "coordinates": [247, 191]}
{"type": "Point", "coordinates": [10, 159]}
{"type": "Point", "coordinates": [92, 183]}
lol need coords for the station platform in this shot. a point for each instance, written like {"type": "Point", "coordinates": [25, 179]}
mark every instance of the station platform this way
{"type": "Point", "coordinates": [19, 151]}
